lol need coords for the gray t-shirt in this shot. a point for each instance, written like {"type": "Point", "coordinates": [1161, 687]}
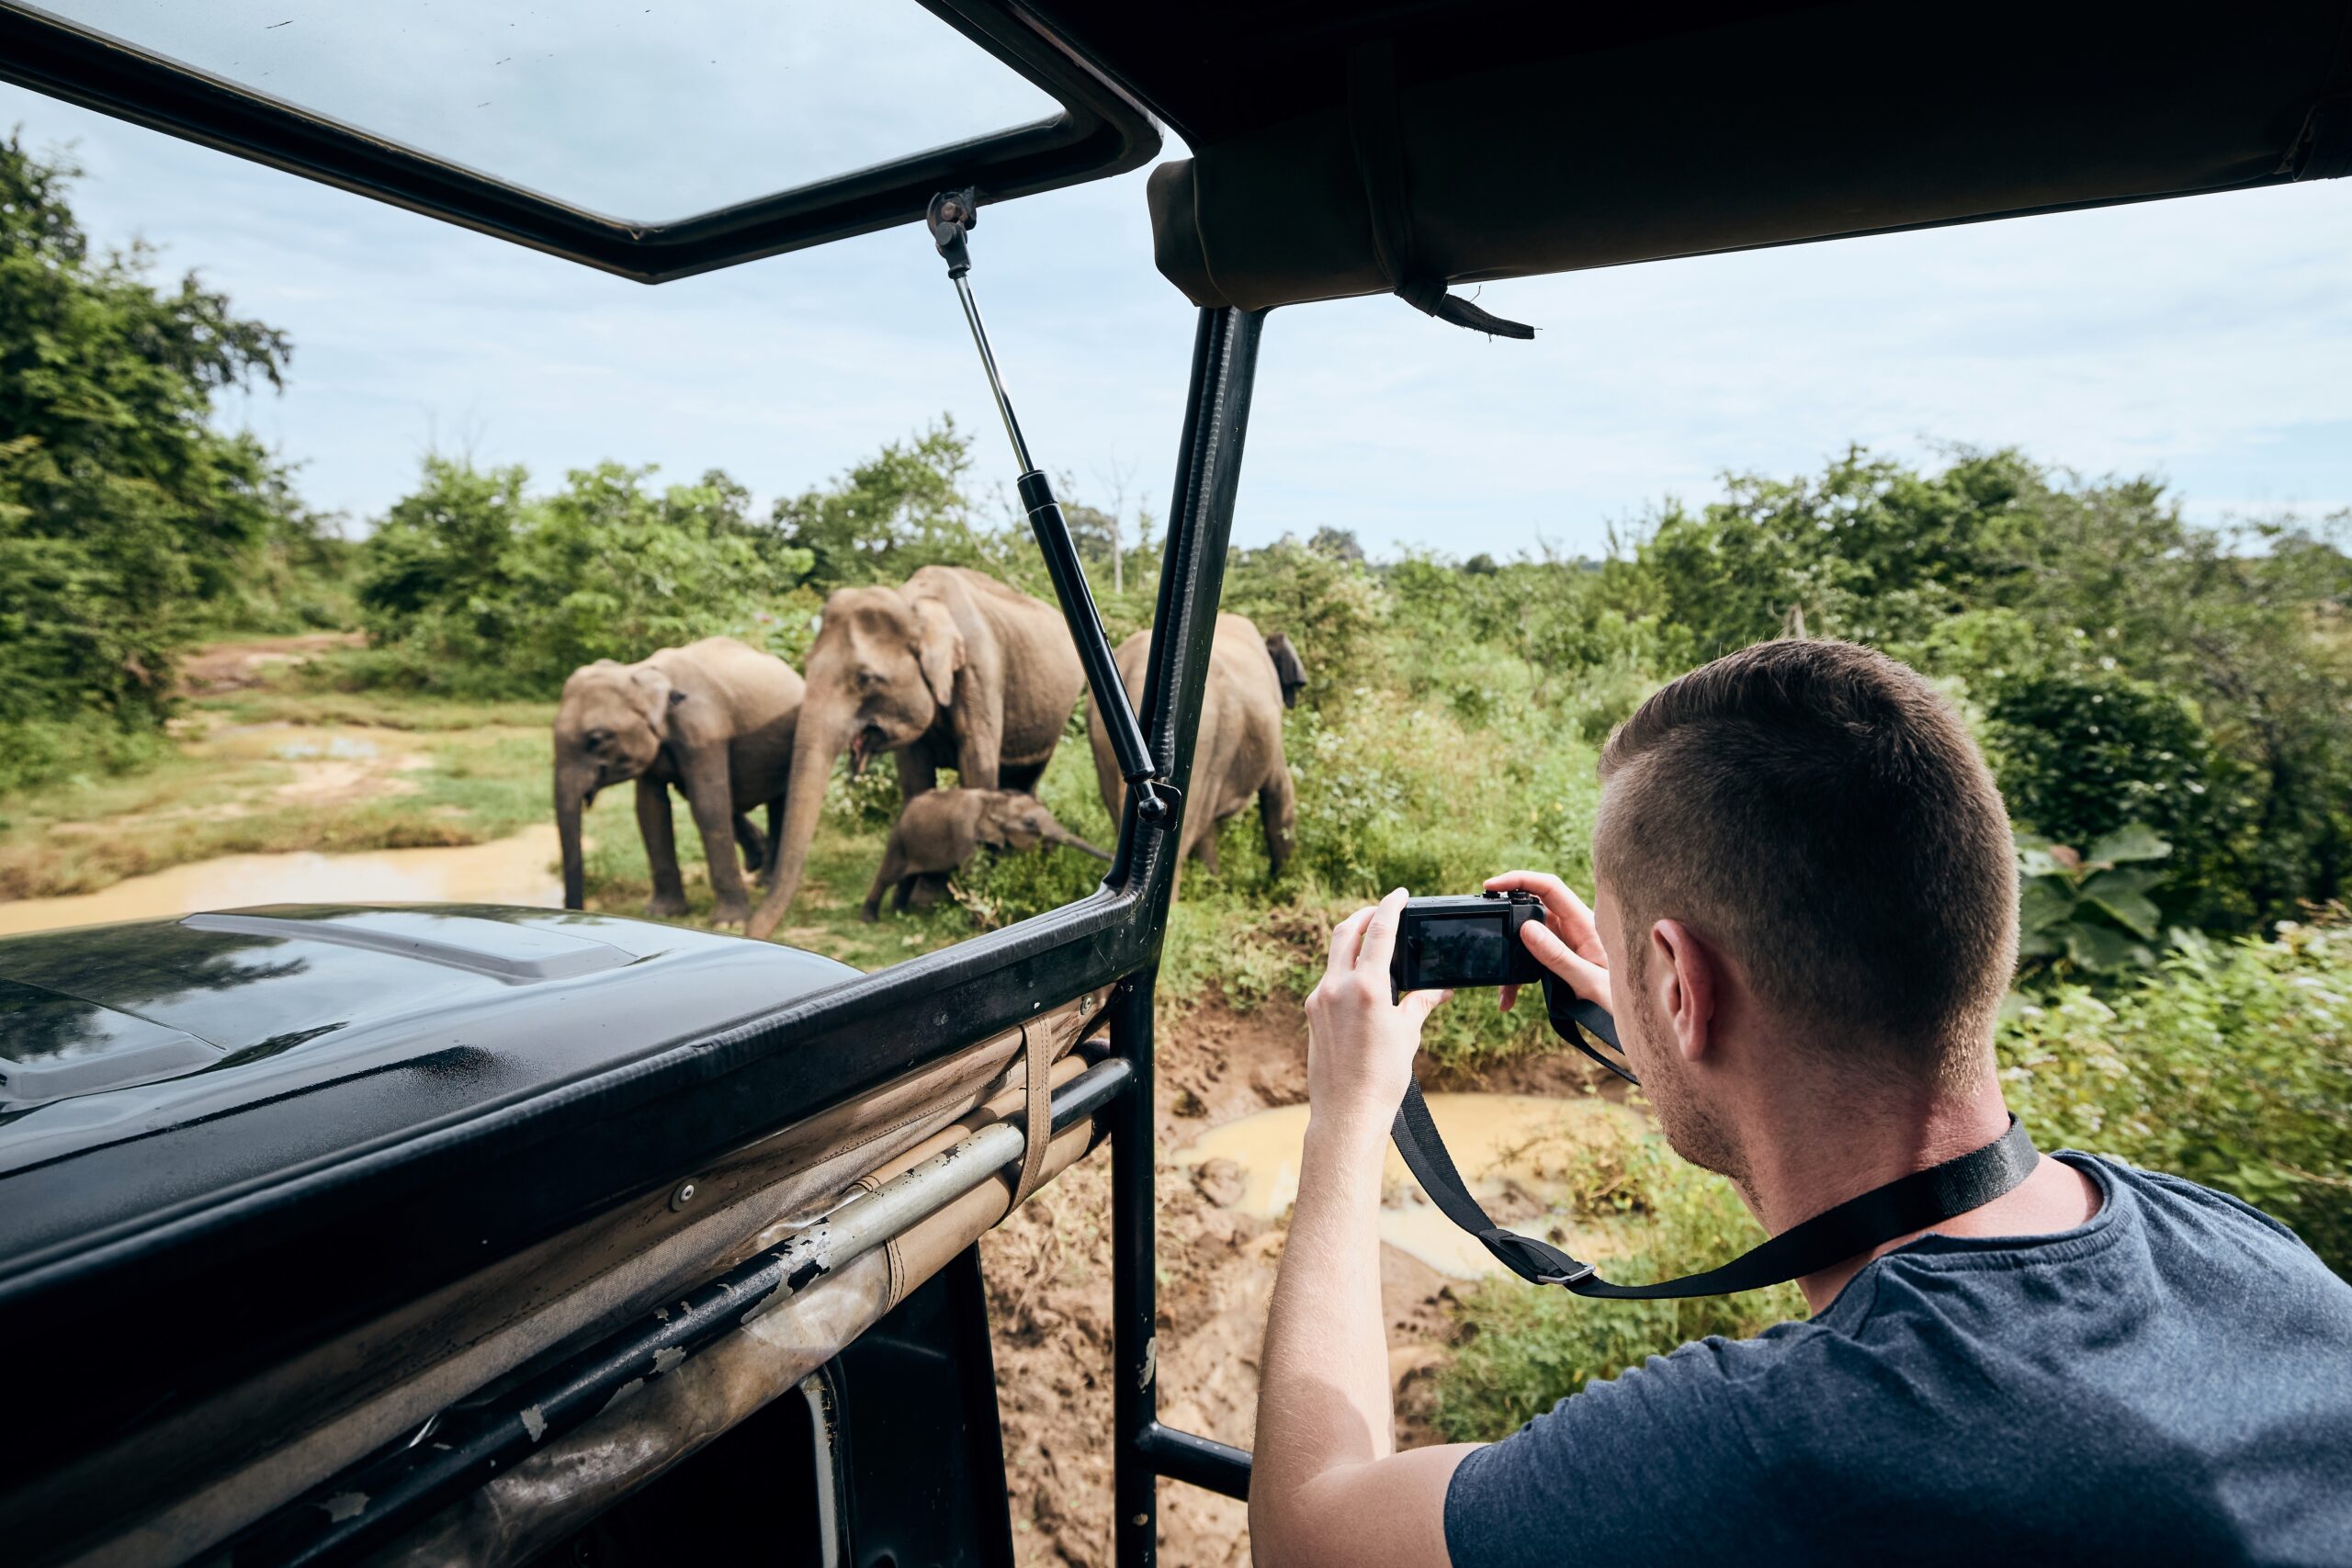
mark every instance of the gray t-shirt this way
{"type": "Point", "coordinates": [2171, 1382]}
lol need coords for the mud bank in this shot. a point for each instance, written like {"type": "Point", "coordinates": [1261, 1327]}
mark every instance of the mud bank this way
{"type": "Point", "coordinates": [1232, 1092]}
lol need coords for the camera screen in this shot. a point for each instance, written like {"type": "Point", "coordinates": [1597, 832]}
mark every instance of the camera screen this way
{"type": "Point", "coordinates": [1463, 952]}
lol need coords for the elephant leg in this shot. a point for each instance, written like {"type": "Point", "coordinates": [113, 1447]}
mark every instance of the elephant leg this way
{"type": "Point", "coordinates": [653, 824]}
{"type": "Point", "coordinates": [711, 798]}
{"type": "Point", "coordinates": [776, 840]}
{"type": "Point", "coordinates": [1022, 777]}
{"type": "Point", "coordinates": [1206, 848]}
{"type": "Point", "coordinates": [1278, 811]}
{"type": "Point", "coordinates": [930, 889]}
{"type": "Point", "coordinates": [893, 867]}
{"type": "Point", "coordinates": [918, 771]}
{"type": "Point", "coordinates": [904, 894]}
{"type": "Point", "coordinates": [750, 840]}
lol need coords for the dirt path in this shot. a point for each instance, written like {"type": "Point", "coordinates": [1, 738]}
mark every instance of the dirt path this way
{"type": "Point", "coordinates": [1048, 1271]}
{"type": "Point", "coordinates": [235, 666]}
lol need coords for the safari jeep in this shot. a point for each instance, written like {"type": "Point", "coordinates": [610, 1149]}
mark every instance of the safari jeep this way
{"type": "Point", "coordinates": [494, 1235]}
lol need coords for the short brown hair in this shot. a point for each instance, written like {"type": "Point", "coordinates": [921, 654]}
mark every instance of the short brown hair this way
{"type": "Point", "coordinates": [1820, 812]}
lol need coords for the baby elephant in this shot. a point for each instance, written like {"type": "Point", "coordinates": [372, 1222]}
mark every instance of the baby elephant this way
{"type": "Point", "coordinates": [938, 831]}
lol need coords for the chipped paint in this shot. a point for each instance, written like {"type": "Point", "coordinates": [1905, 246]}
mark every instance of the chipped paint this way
{"type": "Point", "coordinates": [624, 1391]}
{"type": "Point", "coordinates": [666, 1360]}
{"type": "Point", "coordinates": [345, 1506]}
{"type": "Point", "coordinates": [800, 1279]}
{"type": "Point", "coordinates": [535, 1421]}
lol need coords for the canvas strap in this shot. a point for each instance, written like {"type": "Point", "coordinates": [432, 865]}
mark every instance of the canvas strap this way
{"type": "Point", "coordinates": [1378, 127]}
{"type": "Point", "coordinates": [1038, 1131]}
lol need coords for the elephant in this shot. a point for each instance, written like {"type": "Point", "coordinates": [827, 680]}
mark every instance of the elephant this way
{"type": "Point", "coordinates": [717, 719]}
{"type": "Point", "coordinates": [939, 829]}
{"type": "Point", "coordinates": [953, 669]}
{"type": "Point", "coordinates": [1239, 752]}
{"type": "Point", "coordinates": [1289, 667]}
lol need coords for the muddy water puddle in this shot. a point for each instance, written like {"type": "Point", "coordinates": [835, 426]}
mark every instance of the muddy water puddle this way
{"type": "Point", "coordinates": [1515, 1148]}
{"type": "Point", "coordinates": [517, 870]}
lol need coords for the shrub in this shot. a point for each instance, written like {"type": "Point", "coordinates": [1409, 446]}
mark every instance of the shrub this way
{"type": "Point", "coordinates": [470, 586]}
{"type": "Point", "coordinates": [2082, 754]}
{"type": "Point", "coordinates": [2091, 912]}
{"type": "Point", "coordinates": [2232, 1066]}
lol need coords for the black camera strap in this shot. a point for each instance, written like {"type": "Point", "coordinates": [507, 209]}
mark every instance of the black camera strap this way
{"type": "Point", "coordinates": [1909, 1204]}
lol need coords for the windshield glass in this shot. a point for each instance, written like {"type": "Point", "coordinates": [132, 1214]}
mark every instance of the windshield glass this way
{"type": "Point", "coordinates": [643, 112]}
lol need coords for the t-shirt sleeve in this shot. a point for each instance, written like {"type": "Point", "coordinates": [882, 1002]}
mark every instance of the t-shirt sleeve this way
{"type": "Point", "coordinates": [1652, 1466]}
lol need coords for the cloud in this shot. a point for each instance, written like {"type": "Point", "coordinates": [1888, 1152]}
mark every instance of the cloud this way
{"type": "Point", "coordinates": [2200, 340]}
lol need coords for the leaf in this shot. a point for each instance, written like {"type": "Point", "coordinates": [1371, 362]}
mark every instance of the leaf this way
{"type": "Point", "coordinates": [2044, 903]}
{"type": "Point", "coordinates": [2097, 947]}
{"type": "Point", "coordinates": [2035, 860]}
{"type": "Point", "coordinates": [2131, 910]}
{"type": "Point", "coordinates": [2136, 879]}
{"type": "Point", "coordinates": [2133, 840]}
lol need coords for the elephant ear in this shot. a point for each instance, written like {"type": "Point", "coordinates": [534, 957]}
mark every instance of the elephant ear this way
{"type": "Point", "coordinates": [1005, 821]}
{"type": "Point", "coordinates": [653, 695]}
{"type": "Point", "coordinates": [939, 647]}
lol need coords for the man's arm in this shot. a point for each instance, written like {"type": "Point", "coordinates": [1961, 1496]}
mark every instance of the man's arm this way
{"type": "Point", "coordinates": [1328, 1486]}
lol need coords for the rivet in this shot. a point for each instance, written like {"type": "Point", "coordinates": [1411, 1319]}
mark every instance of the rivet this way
{"type": "Point", "coordinates": [683, 1196]}
{"type": "Point", "coordinates": [1140, 1520]}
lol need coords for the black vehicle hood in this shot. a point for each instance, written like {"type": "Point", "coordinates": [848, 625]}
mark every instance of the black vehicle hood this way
{"type": "Point", "coordinates": [205, 1110]}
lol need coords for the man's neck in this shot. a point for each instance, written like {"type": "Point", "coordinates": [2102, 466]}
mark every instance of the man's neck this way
{"type": "Point", "coordinates": [1814, 1162]}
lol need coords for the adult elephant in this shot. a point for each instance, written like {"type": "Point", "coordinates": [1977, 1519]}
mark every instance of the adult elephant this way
{"type": "Point", "coordinates": [952, 669]}
{"type": "Point", "coordinates": [715, 719]}
{"type": "Point", "coordinates": [1239, 757]}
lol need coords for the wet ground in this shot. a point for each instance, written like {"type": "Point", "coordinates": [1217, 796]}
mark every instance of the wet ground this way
{"type": "Point", "coordinates": [506, 871]}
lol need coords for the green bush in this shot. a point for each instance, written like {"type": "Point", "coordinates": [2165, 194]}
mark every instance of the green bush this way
{"type": "Point", "coordinates": [2232, 1066]}
{"type": "Point", "coordinates": [1524, 1349]}
{"type": "Point", "coordinates": [470, 586]}
{"type": "Point", "coordinates": [2081, 754]}
{"type": "Point", "coordinates": [2091, 912]}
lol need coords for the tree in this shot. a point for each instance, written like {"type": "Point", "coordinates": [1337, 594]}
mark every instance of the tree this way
{"type": "Point", "coordinates": [126, 520]}
{"type": "Point", "coordinates": [904, 507]}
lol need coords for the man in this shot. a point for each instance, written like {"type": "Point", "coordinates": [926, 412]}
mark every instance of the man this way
{"type": "Point", "coordinates": [1805, 920]}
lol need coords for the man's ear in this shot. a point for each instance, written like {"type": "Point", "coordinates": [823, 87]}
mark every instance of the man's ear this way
{"type": "Point", "coordinates": [939, 647]}
{"type": "Point", "coordinates": [654, 696]}
{"type": "Point", "coordinates": [1689, 975]}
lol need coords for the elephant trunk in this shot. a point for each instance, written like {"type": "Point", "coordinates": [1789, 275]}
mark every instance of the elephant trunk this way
{"type": "Point", "coordinates": [1065, 837]}
{"type": "Point", "coordinates": [572, 784]}
{"type": "Point", "coordinates": [816, 747]}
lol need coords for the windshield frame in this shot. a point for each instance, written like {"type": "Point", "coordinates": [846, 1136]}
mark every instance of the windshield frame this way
{"type": "Point", "coordinates": [1100, 131]}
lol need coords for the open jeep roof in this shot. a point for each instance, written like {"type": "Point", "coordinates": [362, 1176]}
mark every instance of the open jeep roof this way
{"type": "Point", "coordinates": [1338, 148]}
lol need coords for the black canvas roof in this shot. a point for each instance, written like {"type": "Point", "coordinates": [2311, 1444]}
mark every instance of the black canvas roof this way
{"type": "Point", "coordinates": [1343, 149]}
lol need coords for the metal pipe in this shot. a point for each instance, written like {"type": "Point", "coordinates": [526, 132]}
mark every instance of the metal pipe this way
{"type": "Point", "coordinates": [1197, 1460]}
{"type": "Point", "coordinates": [473, 1440]}
{"type": "Point", "coordinates": [996, 378]}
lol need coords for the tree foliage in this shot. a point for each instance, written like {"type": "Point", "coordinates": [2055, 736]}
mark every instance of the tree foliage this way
{"type": "Point", "coordinates": [128, 522]}
{"type": "Point", "coordinates": [470, 584]}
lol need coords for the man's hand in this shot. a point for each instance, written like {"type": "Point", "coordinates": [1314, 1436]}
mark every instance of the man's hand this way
{"type": "Point", "coordinates": [1360, 1037]}
{"type": "Point", "coordinates": [1567, 942]}
{"type": "Point", "coordinates": [1328, 1490]}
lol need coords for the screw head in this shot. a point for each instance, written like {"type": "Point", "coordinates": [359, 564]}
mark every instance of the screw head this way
{"type": "Point", "coordinates": [683, 1196]}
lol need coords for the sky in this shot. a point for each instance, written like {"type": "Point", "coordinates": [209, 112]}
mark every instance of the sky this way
{"type": "Point", "coordinates": [2207, 341]}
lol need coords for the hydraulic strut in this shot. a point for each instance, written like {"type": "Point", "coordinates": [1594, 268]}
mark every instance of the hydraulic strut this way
{"type": "Point", "coordinates": [953, 213]}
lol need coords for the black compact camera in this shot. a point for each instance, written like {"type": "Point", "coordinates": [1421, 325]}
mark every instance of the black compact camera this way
{"type": "Point", "coordinates": [1465, 942]}
{"type": "Point", "coordinates": [1471, 941]}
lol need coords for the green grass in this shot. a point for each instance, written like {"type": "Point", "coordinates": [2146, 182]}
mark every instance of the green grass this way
{"type": "Point", "coordinates": [1522, 1350]}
